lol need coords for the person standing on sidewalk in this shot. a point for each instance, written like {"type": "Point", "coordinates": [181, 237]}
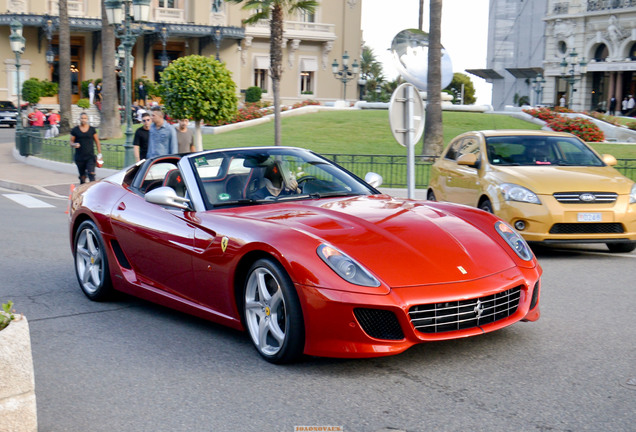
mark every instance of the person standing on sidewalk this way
{"type": "Point", "coordinates": [82, 138]}
{"type": "Point", "coordinates": [185, 137]}
{"type": "Point", "coordinates": [140, 142]}
{"type": "Point", "coordinates": [162, 138]}
{"type": "Point", "coordinates": [91, 92]}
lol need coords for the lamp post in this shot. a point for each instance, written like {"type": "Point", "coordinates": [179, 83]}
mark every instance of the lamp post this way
{"type": "Point", "coordinates": [50, 54]}
{"type": "Point", "coordinates": [17, 42]}
{"type": "Point", "coordinates": [538, 83]}
{"type": "Point", "coordinates": [118, 13]}
{"type": "Point", "coordinates": [345, 74]}
{"type": "Point", "coordinates": [163, 34]}
{"type": "Point", "coordinates": [569, 75]}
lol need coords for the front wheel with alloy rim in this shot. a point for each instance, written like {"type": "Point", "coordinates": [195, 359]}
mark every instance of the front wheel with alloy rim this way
{"type": "Point", "coordinates": [272, 313]}
{"type": "Point", "coordinates": [91, 263]}
{"type": "Point", "coordinates": [621, 247]}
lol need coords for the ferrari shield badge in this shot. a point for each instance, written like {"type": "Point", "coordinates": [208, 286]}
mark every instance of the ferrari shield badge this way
{"type": "Point", "coordinates": [224, 241]}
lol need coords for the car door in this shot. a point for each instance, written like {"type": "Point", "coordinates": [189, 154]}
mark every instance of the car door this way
{"type": "Point", "coordinates": [462, 183]}
{"type": "Point", "coordinates": [157, 241]}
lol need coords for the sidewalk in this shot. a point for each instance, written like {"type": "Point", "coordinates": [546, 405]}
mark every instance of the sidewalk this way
{"type": "Point", "coordinates": [34, 175]}
{"type": "Point", "coordinates": [39, 176]}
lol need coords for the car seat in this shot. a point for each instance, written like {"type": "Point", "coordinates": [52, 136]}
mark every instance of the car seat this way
{"type": "Point", "coordinates": [174, 180]}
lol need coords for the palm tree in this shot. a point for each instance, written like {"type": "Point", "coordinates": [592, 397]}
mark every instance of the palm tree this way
{"type": "Point", "coordinates": [433, 129]}
{"type": "Point", "coordinates": [64, 68]}
{"type": "Point", "coordinates": [370, 70]}
{"type": "Point", "coordinates": [110, 123]}
{"type": "Point", "coordinates": [273, 10]}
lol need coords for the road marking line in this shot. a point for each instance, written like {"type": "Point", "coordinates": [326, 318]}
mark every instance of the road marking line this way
{"type": "Point", "coordinates": [27, 201]}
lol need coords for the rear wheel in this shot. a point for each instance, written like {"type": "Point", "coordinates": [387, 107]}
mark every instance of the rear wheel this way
{"type": "Point", "coordinates": [272, 312]}
{"type": "Point", "coordinates": [621, 247]}
{"type": "Point", "coordinates": [486, 206]}
{"type": "Point", "coordinates": [430, 195]}
{"type": "Point", "coordinates": [91, 263]}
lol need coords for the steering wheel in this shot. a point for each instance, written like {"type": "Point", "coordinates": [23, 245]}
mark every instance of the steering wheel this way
{"type": "Point", "coordinates": [305, 179]}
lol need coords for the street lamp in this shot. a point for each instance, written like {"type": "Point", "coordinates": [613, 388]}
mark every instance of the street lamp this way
{"type": "Point", "coordinates": [118, 14]}
{"type": "Point", "coordinates": [50, 54]}
{"type": "Point", "coordinates": [17, 42]}
{"type": "Point", "coordinates": [345, 74]}
{"type": "Point", "coordinates": [163, 34]}
{"type": "Point", "coordinates": [569, 75]}
{"type": "Point", "coordinates": [538, 83]}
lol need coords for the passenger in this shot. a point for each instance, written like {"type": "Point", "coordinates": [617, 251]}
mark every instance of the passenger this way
{"type": "Point", "coordinates": [275, 184]}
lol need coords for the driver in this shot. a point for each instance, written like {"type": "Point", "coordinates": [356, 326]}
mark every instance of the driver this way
{"type": "Point", "coordinates": [275, 184]}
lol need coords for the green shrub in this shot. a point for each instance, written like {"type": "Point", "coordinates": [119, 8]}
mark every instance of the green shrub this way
{"type": "Point", "coordinates": [84, 103]}
{"type": "Point", "coordinates": [49, 89]}
{"type": "Point", "coordinates": [32, 90]}
{"type": "Point", "coordinates": [253, 94]}
{"type": "Point", "coordinates": [6, 314]}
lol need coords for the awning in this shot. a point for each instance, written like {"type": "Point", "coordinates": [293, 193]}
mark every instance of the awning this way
{"type": "Point", "coordinates": [261, 62]}
{"type": "Point", "coordinates": [308, 65]}
{"type": "Point", "coordinates": [525, 72]}
{"type": "Point", "coordinates": [485, 73]}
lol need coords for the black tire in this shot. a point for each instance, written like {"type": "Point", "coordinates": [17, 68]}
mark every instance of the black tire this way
{"type": "Point", "coordinates": [486, 206]}
{"type": "Point", "coordinates": [621, 247]}
{"type": "Point", "coordinates": [91, 263]}
{"type": "Point", "coordinates": [430, 195]}
{"type": "Point", "coordinates": [272, 313]}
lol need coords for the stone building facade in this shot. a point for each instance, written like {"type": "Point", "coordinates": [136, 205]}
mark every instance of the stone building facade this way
{"type": "Point", "coordinates": [183, 27]}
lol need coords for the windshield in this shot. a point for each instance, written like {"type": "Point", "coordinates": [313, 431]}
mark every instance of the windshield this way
{"type": "Point", "coordinates": [540, 150]}
{"type": "Point", "coordinates": [256, 176]}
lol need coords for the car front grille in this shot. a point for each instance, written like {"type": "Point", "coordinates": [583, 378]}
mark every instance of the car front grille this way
{"type": "Point", "coordinates": [586, 197]}
{"type": "Point", "coordinates": [587, 228]}
{"type": "Point", "coordinates": [465, 314]}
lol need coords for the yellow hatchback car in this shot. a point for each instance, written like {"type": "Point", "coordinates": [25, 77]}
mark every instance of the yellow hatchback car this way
{"type": "Point", "coordinates": [551, 186]}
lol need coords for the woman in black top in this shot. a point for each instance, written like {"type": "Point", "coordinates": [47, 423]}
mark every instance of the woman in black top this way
{"type": "Point", "coordinates": [82, 138]}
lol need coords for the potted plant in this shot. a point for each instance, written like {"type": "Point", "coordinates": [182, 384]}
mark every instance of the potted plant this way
{"type": "Point", "coordinates": [17, 383]}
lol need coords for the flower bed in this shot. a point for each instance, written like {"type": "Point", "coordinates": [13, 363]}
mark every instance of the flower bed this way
{"type": "Point", "coordinates": [582, 128]}
{"type": "Point", "coordinates": [251, 111]}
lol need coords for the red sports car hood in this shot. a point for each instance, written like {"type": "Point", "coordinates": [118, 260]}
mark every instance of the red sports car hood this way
{"type": "Point", "coordinates": [404, 243]}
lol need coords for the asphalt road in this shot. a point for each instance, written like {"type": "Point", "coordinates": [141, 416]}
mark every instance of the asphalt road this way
{"type": "Point", "coordinates": [129, 365]}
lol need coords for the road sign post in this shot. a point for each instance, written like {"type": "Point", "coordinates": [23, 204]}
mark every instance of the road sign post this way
{"type": "Point", "coordinates": [406, 117]}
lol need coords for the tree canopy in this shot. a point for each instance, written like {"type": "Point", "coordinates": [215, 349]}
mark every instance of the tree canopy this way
{"type": "Point", "coordinates": [198, 88]}
{"type": "Point", "coordinates": [455, 89]}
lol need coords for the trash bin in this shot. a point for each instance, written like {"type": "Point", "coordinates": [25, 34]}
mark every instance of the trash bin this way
{"type": "Point", "coordinates": [23, 142]}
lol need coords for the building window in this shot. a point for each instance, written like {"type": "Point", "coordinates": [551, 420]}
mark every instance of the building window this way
{"type": "Point", "coordinates": [563, 48]}
{"type": "Point", "coordinates": [601, 53]}
{"type": "Point", "coordinates": [260, 79]}
{"type": "Point", "coordinates": [306, 82]}
{"type": "Point", "coordinates": [309, 17]}
{"type": "Point", "coordinates": [167, 4]}
{"type": "Point", "coordinates": [632, 52]}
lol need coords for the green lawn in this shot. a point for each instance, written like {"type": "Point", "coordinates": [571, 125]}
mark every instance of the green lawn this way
{"type": "Point", "coordinates": [367, 132]}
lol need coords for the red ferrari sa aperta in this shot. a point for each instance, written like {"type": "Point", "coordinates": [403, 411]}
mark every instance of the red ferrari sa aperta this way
{"type": "Point", "coordinates": [305, 256]}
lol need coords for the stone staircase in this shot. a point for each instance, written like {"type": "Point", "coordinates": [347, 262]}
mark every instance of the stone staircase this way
{"type": "Point", "coordinates": [94, 117]}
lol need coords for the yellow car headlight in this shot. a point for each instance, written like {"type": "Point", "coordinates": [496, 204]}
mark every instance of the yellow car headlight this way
{"type": "Point", "coordinates": [514, 192]}
{"type": "Point", "coordinates": [632, 194]}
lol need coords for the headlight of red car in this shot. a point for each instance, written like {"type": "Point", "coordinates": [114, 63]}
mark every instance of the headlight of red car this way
{"type": "Point", "coordinates": [513, 192]}
{"type": "Point", "coordinates": [516, 242]}
{"type": "Point", "coordinates": [346, 267]}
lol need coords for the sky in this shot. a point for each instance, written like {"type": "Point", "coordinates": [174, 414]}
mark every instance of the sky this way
{"type": "Point", "coordinates": [464, 34]}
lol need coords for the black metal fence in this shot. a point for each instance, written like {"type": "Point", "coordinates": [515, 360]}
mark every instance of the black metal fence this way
{"type": "Point", "coordinates": [392, 168]}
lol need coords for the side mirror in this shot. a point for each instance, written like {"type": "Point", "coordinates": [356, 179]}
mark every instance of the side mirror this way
{"type": "Point", "coordinates": [609, 159]}
{"type": "Point", "coordinates": [166, 196]}
{"type": "Point", "coordinates": [373, 179]}
{"type": "Point", "coordinates": [469, 159]}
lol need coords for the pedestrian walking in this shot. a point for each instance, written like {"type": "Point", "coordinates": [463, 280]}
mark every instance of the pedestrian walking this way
{"type": "Point", "coordinates": [91, 92]}
{"type": "Point", "coordinates": [631, 104]}
{"type": "Point", "coordinates": [562, 101]}
{"type": "Point", "coordinates": [185, 137]}
{"type": "Point", "coordinates": [612, 106]}
{"type": "Point", "coordinates": [36, 118]}
{"type": "Point", "coordinates": [54, 120]}
{"type": "Point", "coordinates": [82, 138]}
{"type": "Point", "coordinates": [140, 142]}
{"type": "Point", "coordinates": [98, 95]}
{"type": "Point", "coordinates": [624, 106]}
{"type": "Point", "coordinates": [162, 137]}
{"type": "Point", "coordinates": [141, 93]}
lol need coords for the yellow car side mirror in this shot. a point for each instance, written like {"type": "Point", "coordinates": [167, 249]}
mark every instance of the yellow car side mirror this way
{"type": "Point", "coordinates": [469, 159]}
